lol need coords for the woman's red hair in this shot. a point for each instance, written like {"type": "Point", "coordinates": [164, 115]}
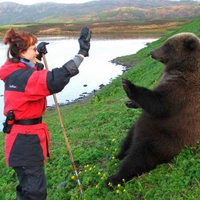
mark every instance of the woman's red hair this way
{"type": "Point", "coordinates": [18, 41]}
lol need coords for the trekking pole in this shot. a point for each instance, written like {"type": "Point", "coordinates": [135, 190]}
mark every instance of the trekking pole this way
{"type": "Point", "coordinates": [64, 132]}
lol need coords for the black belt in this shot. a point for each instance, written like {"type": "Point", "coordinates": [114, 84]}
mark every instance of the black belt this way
{"type": "Point", "coordinates": [29, 121]}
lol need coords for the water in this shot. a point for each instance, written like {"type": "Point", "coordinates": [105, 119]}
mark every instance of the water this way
{"type": "Point", "coordinates": [95, 69]}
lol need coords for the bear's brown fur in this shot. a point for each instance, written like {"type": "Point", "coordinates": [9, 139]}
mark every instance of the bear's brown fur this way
{"type": "Point", "coordinates": [171, 111]}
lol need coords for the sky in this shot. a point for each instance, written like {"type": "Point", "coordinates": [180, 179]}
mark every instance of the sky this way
{"type": "Point", "coordinates": [27, 2]}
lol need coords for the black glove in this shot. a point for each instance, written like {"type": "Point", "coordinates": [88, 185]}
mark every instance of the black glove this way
{"type": "Point", "coordinates": [39, 66]}
{"type": "Point", "coordinates": [41, 48]}
{"type": "Point", "coordinates": [84, 41]}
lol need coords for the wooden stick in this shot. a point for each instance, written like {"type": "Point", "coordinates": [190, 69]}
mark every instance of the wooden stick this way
{"type": "Point", "coordinates": [64, 131]}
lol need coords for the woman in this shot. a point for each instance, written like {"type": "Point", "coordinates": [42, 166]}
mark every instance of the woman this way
{"type": "Point", "coordinates": [26, 88]}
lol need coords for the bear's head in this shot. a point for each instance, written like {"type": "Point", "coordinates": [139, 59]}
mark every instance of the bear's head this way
{"type": "Point", "coordinates": [179, 52]}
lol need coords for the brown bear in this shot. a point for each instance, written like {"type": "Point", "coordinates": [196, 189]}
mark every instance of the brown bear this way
{"type": "Point", "coordinates": [170, 118]}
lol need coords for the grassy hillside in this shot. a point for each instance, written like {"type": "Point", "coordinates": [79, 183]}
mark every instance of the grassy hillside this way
{"type": "Point", "coordinates": [95, 129]}
{"type": "Point", "coordinates": [97, 11]}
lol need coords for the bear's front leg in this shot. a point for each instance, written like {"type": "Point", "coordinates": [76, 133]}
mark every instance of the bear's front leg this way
{"type": "Point", "coordinates": [151, 101]}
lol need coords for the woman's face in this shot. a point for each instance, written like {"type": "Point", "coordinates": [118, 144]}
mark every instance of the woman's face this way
{"type": "Point", "coordinates": [30, 54]}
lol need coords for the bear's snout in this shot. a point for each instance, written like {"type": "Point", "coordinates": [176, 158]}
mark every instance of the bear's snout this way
{"type": "Point", "coordinates": [156, 55]}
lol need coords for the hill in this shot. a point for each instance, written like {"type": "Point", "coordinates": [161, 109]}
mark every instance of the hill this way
{"type": "Point", "coordinates": [97, 11]}
{"type": "Point", "coordinates": [95, 129]}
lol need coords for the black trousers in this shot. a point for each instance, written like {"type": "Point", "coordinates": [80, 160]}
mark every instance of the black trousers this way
{"type": "Point", "coordinates": [32, 183]}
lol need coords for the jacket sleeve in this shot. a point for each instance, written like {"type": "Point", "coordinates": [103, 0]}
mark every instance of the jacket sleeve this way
{"type": "Point", "coordinates": [58, 78]}
{"type": "Point", "coordinates": [44, 83]}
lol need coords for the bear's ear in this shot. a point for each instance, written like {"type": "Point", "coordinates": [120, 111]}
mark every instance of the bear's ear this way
{"type": "Point", "coordinates": [191, 43]}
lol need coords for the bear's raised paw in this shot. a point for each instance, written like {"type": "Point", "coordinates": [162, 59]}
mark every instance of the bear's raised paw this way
{"type": "Point", "coordinates": [128, 87]}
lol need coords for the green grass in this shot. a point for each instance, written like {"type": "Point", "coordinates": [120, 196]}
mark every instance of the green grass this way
{"type": "Point", "coordinates": [95, 129]}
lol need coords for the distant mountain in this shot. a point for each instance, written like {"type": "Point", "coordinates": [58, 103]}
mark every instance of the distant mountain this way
{"type": "Point", "coordinates": [95, 11]}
